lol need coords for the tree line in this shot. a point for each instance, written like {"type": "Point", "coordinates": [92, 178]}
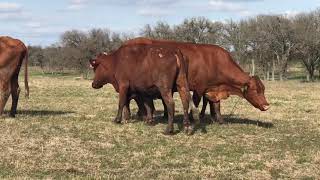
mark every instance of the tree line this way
{"type": "Point", "coordinates": [264, 45]}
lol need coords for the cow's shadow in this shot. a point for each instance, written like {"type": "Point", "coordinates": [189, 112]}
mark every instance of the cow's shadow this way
{"type": "Point", "coordinates": [33, 112]}
{"type": "Point", "coordinates": [206, 121]}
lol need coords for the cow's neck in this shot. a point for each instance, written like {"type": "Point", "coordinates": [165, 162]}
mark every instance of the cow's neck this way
{"type": "Point", "coordinates": [114, 83]}
{"type": "Point", "coordinates": [110, 62]}
{"type": "Point", "coordinates": [238, 79]}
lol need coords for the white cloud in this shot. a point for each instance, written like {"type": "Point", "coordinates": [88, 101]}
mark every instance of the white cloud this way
{"type": "Point", "coordinates": [220, 5]}
{"type": "Point", "coordinates": [76, 5]}
{"type": "Point", "coordinates": [153, 12]}
{"type": "Point", "coordinates": [33, 24]}
{"type": "Point", "coordinates": [156, 8]}
{"type": "Point", "coordinates": [10, 11]}
{"type": "Point", "coordinates": [230, 6]}
{"type": "Point", "coordinates": [6, 7]}
{"type": "Point", "coordinates": [291, 14]}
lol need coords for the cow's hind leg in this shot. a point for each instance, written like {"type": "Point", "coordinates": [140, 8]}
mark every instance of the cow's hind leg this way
{"type": "Point", "coordinates": [186, 101]}
{"type": "Point", "coordinates": [4, 95]}
{"type": "Point", "coordinates": [166, 95]}
{"type": "Point", "coordinates": [15, 91]}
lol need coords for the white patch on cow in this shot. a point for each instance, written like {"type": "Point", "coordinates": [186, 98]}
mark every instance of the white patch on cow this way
{"type": "Point", "coordinates": [105, 53]}
{"type": "Point", "coordinates": [160, 55]}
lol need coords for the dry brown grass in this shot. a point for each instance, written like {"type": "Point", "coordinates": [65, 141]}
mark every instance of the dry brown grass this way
{"type": "Point", "coordinates": [65, 130]}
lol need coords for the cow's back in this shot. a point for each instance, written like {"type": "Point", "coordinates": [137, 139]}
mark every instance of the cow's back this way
{"type": "Point", "coordinates": [208, 65]}
{"type": "Point", "coordinates": [10, 49]}
{"type": "Point", "coordinates": [144, 64]}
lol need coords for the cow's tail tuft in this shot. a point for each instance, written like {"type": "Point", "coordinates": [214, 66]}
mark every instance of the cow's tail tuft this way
{"type": "Point", "coordinates": [26, 84]}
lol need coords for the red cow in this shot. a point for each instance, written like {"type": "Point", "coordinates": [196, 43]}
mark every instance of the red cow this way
{"type": "Point", "coordinates": [12, 53]}
{"type": "Point", "coordinates": [212, 70]}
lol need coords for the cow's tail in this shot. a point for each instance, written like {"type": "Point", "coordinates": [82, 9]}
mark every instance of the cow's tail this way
{"type": "Point", "coordinates": [26, 84]}
{"type": "Point", "coordinates": [183, 73]}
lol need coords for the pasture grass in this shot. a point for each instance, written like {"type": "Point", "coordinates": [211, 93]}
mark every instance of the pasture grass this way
{"type": "Point", "coordinates": [65, 130]}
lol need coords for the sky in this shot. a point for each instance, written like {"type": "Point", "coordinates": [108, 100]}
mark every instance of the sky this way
{"type": "Point", "coordinates": [41, 22]}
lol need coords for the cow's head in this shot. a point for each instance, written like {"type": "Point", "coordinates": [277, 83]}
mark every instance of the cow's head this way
{"type": "Point", "coordinates": [102, 67]}
{"type": "Point", "coordinates": [253, 91]}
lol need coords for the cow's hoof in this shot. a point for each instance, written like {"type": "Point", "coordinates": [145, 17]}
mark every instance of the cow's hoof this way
{"type": "Point", "coordinates": [168, 132]}
{"type": "Point", "coordinates": [150, 122]}
{"type": "Point", "coordinates": [117, 121]}
{"type": "Point", "coordinates": [189, 130]}
{"type": "Point", "coordinates": [12, 115]}
{"type": "Point", "coordinates": [220, 120]}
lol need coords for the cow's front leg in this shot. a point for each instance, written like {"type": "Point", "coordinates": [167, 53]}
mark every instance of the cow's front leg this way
{"type": "Point", "coordinates": [215, 112]}
{"type": "Point", "coordinates": [122, 101]}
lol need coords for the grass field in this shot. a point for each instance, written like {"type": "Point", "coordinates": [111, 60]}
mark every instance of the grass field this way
{"type": "Point", "coordinates": [65, 130]}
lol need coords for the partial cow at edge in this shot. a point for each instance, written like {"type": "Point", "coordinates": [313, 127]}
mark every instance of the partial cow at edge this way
{"type": "Point", "coordinates": [12, 54]}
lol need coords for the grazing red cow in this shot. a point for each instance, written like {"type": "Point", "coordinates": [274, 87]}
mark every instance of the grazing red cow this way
{"type": "Point", "coordinates": [147, 71]}
{"type": "Point", "coordinates": [12, 53]}
{"type": "Point", "coordinates": [212, 70]}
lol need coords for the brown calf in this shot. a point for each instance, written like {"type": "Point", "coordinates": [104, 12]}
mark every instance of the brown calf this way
{"type": "Point", "coordinates": [147, 71]}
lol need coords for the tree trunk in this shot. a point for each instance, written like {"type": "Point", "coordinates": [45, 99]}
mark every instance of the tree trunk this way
{"type": "Point", "coordinates": [284, 66]}
{"type": "Point", "coordinates": [273, 68]}
{"type": "Point", "coordinates": [308, 77]}
{"type": "Point", "coordinates": [253, 67]}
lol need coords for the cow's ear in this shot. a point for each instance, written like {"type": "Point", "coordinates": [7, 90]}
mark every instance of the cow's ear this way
{"type": "Point", "coordinates": [244, 89]}
{"type": "Point", "coordinates": [93, 63]}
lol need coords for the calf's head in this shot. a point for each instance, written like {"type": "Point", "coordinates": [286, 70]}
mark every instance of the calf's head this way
{"type": "Point", "coordinates": [102, 67]}
{"type": "Point", "coordinates": [253, 92]}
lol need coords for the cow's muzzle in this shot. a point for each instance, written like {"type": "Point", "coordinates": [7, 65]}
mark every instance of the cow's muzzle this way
{"type": "Point", "coordinates": [265, 107]}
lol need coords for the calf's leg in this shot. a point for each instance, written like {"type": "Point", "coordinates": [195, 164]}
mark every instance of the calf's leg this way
{"type": "Point", "coordinates": [166, 95]}
{"type": "Point", "coordinates": [126, 111]}
{"type": "Point", "coordinates": [204, 107]}
{"type": "Point", "coordinates": [122, 101]}
{"type": "Point", "coordinates": [148, 104]}
{"type": "Point", "coordinates": [165, 111]}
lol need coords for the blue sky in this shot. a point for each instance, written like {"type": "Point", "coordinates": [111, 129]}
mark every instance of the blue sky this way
{"type": "Point", "coordinates": [39, 22]}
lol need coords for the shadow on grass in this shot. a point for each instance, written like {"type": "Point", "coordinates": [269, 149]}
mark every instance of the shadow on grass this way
{"type": "Point", "coordinates": [178, 119]}
{"type": "Point", "coordinates": [234, 120]}
{"type": "Point", "coordinates": [43, 112]}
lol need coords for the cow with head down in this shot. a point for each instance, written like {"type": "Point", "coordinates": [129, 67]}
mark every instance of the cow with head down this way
{"type": "Point", "coordinates": [145, 71]}
{"type": "Point", "coordinates": [214, 75]}
{"type": "Point", "coordinates": [12, 54]}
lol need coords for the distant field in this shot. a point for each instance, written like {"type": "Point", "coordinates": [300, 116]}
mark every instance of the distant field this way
{"type": "Point", "coordinates": [65, 130]}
